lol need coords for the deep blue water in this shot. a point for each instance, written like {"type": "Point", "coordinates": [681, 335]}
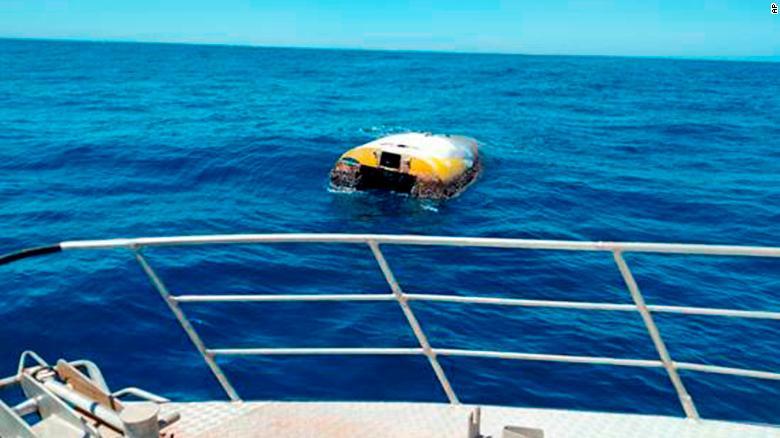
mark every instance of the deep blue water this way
{"type": "Point", "coordinates": [101, 140]}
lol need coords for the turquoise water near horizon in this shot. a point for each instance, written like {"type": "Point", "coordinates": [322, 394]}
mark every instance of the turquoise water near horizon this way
{"type": "Point", "coordinates": [101, 140]}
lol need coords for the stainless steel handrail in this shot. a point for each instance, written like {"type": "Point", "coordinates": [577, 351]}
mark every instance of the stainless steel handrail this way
{"type": "Point", "coordinates": [399, 239]}
{"type": "Point", "coordinates": [617, 249]}
{"type": "Point", "coordinates": [465, 299]}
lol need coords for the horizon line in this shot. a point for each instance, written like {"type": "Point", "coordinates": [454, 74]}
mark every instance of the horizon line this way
{"type": "Point", "coordinates": [724, 58]}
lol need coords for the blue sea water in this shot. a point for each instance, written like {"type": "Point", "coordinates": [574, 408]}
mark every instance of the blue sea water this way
{"type": "Point", "coordinates": [101, 140]}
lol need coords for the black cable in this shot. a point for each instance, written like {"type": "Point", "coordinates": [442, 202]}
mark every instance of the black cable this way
{"type": "Point", "coordinates": [29, 252]}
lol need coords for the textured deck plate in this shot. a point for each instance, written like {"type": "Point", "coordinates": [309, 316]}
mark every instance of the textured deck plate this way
{"type": "Point", "coordinates": [198, 417]}
{"type": "Point", "coordinates": [562, 423]}
{"type": "Point", "coordinates": [332, 419]}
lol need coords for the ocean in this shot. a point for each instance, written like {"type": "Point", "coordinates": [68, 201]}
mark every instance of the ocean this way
{"type": "Point", "coordinates": [102, 140]}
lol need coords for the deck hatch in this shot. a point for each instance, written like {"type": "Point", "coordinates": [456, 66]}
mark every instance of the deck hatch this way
{"type": "Point", "coordinates": [390, 160]}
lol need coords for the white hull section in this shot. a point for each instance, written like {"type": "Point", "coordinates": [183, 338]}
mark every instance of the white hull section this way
{"type": "Point", "coordinates": [382, 419]}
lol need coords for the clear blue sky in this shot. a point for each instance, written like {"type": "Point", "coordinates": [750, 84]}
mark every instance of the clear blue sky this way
{"type": "Point", "coordinates": [692, 28]}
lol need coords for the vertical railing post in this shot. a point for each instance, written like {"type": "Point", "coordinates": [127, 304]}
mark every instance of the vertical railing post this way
{"type": "Point", "coordinates": [685, 399]}
{"type": "Point", "coordinates": [186, 325]}
{"type": "Point", "coordinates": [421, 338]}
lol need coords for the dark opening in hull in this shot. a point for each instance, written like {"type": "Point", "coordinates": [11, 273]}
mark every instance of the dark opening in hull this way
{"type": "Point", "coordinates": [375, 178]}
{"type": "Point", "coordinates": [368, 178]}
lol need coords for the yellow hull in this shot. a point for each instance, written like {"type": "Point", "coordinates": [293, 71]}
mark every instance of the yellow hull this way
{"type": "Point", "coordinates": [423, 165]}
{"type": "Point", "coordinates": [443, 170]}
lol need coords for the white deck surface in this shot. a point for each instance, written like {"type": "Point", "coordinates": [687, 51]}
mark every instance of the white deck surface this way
{"type": "Point", "coordinates": [332, 419]}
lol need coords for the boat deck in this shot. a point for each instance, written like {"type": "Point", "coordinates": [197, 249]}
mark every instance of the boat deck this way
{"type": "Point", "coordinates": [381, 419]}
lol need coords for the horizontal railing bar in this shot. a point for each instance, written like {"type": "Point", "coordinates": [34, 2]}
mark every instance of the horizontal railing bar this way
{"type": "Point", "coordinates": [709, 311]}
{"type": "Point", "coordinates": [276, 298]}
{"type": "Point", "coordinates": [610, 361]}
{"type": "Point", "coordinates": [439, 351]}
{"type": "Point", "coordinates": [593, 360]}
{"type": "Point", "coordinates": [727, 370]}
{"type": "Point", "coordinates": [313, 351]}
{"type": "Point", "coordinates": [520, 302]}
{"type": "Point", "coordinates": [585, 305]}
{"type": "Point", "coordinates": [578, 305]}
{"type": "Point", "coordinates": [568, 245]}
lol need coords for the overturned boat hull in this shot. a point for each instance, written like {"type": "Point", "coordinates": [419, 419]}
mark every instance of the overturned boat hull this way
{"type": "Point", "coordinates": [422, 165]}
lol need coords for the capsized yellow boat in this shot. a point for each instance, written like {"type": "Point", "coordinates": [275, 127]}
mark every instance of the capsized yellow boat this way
{"type": "Point", "coordinates": [421, 164]}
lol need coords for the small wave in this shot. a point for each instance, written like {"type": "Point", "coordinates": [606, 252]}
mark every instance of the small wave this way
{"type": "Point", "coordinates": [341, 190]}
{"type": "Point", "coordinates": [383, 130]}
{"type": "Point", "coordinates": [429, 206]}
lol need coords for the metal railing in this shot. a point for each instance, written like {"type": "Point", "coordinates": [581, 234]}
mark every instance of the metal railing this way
{"type": "Point", "coordinates": [397, 294]}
